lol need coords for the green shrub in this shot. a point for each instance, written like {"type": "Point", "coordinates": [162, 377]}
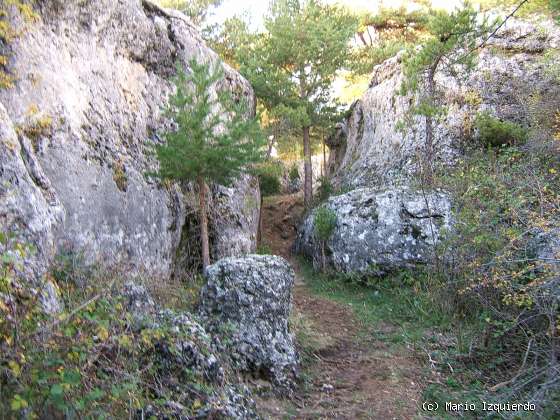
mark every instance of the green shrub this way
{"type": "Point", "coordinates": [324, 225]}
{"type": "Point", "coordinates": [269, 178]}
{"type": "Point", "coordinates": [325, 189]}
{"type": "Point", "coordinates": [501, 200]}
{"type": "Point", "coordinates": [270, 184]}
{"type": "Point", "coordinates": [324, 222]}
{"type": "Point", "coordinates": [94, 359]}
{"type": "Point", "coordinates": [496, 133]}
{"type": "Point", "coordinates": [264, 249]}
{"type": "Point", "coordinates": [294, 172]}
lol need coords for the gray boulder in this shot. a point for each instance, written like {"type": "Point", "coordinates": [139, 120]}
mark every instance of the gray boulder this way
{"type": "Point", "coordinates": [378, 231]}
{"type": "Point", "coordinates": [90, 81]}
{"type": "Point", "coordinates": [246, 303]}
{"type": "Point", "coordinates": [185, 358]}
{"type": "Point", "coordinates": [545, 246]}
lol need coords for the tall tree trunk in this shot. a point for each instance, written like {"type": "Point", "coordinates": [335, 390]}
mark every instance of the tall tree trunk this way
{"type": "Point", "coordinates": [429, 146]}
{"type": "Point", "coordinates": [324, 262]}
{"type": "Point", "coordinates": [308, 172]}
{"type": "Point", "coordinates": [324, 159]}
{"type": "Point", "coordinates": [259, 227]}
{"type": "Point", "coordinates": [203, 222]}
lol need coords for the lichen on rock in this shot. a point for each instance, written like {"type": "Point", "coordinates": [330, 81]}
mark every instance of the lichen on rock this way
{"type": "Point", "coordinates": [379, 231]}
{"type": "Point", "coordinates": [246, 303]}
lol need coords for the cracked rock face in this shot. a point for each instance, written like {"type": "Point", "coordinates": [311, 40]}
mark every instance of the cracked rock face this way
{"type": "Point", "coordinates": [184, 356]}
{"type": "Point", "coordinates": [91, 79]}
{"type": "Point", "coordinates": [371, 151]}
{"type": "Point", "coordinates": [378, 231]}
{"type": "Point", "coordinates": [246, 303]}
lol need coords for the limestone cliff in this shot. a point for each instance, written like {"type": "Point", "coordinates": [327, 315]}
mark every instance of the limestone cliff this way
{"type": "Point", "coordinates": [91, 78]}
{"type": "Point", "coordinates": [373, 158]}
{"type": "Point", "coordinates": [369, 150]}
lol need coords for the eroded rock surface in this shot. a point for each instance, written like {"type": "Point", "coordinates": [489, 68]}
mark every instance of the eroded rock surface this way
{"type": "Point", "coordinates": [369, 149]}
{"type": "Point", "coordinates": [91, 79]}
{"type": "Point", "coordinates": [185, 356]}
{"type": "Point", "coordinates": [246, 302]}
{"type": "Point", "coordinates": [378, 231]}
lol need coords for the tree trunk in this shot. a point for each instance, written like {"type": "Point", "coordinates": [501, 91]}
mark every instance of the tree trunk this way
{"type": "Point", "coordinates": [324, 172]}
{"type": "Point", "coordinates": [270, 146]}
{"type": "Point", "coordinates": [324, 262]}
{"type": "Point", "coordinates": [429, 146]}
{"type": "Point", "coordinates": [259, 228]}
{"type": "Point", "coordinates": [203, 222]}
{"type": "Point", "coordinates": [308, 172]}
{"type": "Point", "coordinates": [362, 38]}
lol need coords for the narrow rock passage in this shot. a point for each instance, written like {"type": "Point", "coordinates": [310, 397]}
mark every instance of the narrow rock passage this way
{"type": "Point", "coordinates": [351, 374]}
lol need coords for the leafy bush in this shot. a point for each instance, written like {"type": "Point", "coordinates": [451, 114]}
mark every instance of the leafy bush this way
{"type": "Point", "coordinates": [269, 178]}
{"type": "Point", "coordinates": [270, 184]}
{"type": "Point", "coordinates": [324, 223]}
{"type": "Point", "coordinates": [96, 358]}
{"type": "Point", "coordinates": [264, 249]}
{"type": "Point", "coordinates": [294, 172]}
{"type": "Point", "coordinates": [325, 189]}
{"type": "Point", "coordinates": [503, 202]}
{"type": "Point", "coordinates": [496, 133]}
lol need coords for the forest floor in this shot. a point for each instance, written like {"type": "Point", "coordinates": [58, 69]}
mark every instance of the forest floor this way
{"type": "Point", "coordinates": [350, 370]}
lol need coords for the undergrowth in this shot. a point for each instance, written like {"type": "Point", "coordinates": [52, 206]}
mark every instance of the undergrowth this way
{"type": "Point", "coordinates": [97, 358]}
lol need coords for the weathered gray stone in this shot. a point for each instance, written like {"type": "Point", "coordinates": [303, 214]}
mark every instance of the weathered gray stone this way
{"type": "Point", "coordinates": [138, 300]}
{"type": "Point", "coordinates": [370, 151]}
{"type": "Point", "coordinates": [246, 302]}
{"type": "Point", "coordinates": [28, 212]}
{"type": "Point", "coordinates": [184, 356]}
{"type": "Point", "coordinates": [546, 247]}
{"type": "Point", "coordinates": [378, 231]}
{"type": "Point", "coordinates": [91, 79]}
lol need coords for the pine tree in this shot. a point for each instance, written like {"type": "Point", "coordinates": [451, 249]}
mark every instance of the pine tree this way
{"type": "Point", "coordinates": [293, 64]}
{"type": "Point", "coordinates": [450, 46]}
{"type": "Point", "coordinates": [214, 140]}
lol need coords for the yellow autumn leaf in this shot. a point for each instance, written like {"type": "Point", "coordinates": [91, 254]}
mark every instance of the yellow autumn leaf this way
{"type": "Point", "coordinates": [15, 368]}
{"type": "Point", "coordinates": [3, 307]}
{"type": "Point", "coordinates": [102, 333]}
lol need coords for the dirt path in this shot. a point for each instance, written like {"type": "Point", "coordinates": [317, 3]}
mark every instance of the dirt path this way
{"type": "Point", "coordinates": [347, 375]}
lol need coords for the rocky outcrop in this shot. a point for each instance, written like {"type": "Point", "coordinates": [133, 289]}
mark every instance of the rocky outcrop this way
{"type": "Point", "coordinates": [91, 78]}
{"type": "Point", "coordinates": [373, 152]}
{"type": "Point", "coordinates": [184, 356]}
{"type": "Point", "coordinates": [383, 224]}
{"type": "Point", "coordinates": [378, 231]}
{"type": "Point", "coordinates": [246, 302]}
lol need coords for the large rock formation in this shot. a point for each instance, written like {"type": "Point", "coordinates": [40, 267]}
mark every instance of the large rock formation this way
{"type": "Point", "coordinates": [183, 356]}
{"type": "Point", "coordinates": [370, 151]}
{"type": "Point", "coordinates": [378, 231]}
{"type": "Point", "coordinates": [91, 78]}
{"type": "Point", "coordinates": [247, 302]}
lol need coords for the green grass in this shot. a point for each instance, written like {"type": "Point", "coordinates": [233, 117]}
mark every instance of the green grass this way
{"type": "Point", "coordinates": [403, 303]}
{"type": "Point", "coordinates": [381, 302]}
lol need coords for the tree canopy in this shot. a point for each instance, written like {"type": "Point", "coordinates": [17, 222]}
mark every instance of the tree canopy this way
{"type": "Point", "coordinates": [293, 64]}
